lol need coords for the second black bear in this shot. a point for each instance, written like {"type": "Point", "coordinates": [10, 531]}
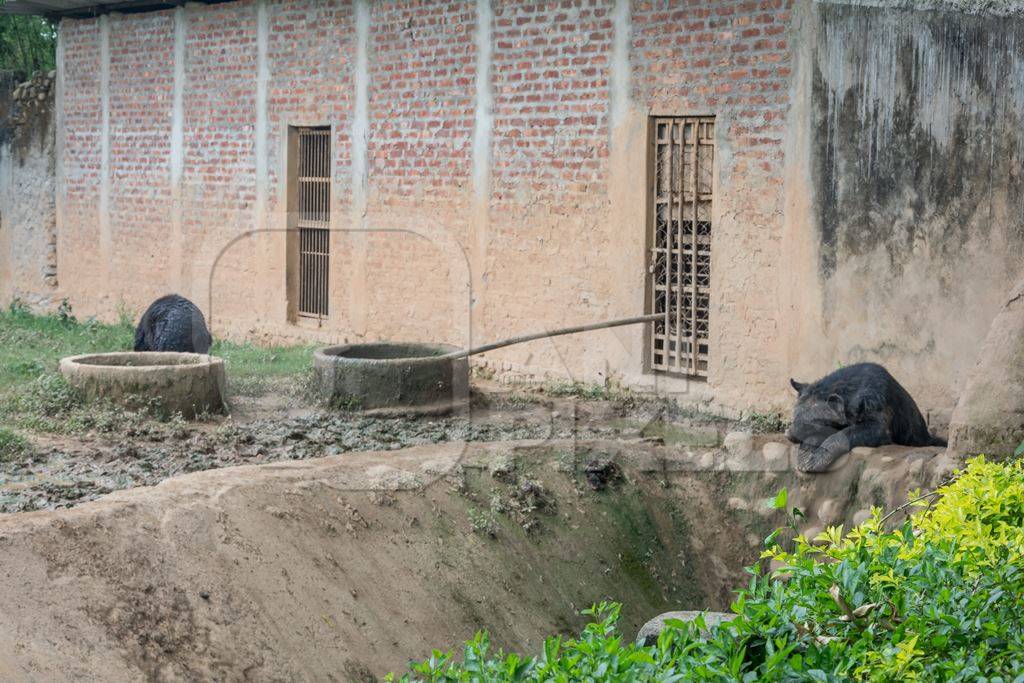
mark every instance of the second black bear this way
{"type": "Point", "coordinates": [859, 405]}
{"type": "Point", "coordinates": [173, 323]}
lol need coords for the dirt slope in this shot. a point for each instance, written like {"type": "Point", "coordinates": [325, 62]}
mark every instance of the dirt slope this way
{"type": "Point", "coordinates": [345, 567]}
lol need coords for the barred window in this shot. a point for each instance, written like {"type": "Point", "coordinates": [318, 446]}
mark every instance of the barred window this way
{"type": "Point", "coordinates": [313, 207]}
{"type": "Point", "coordinates": [679, 238]}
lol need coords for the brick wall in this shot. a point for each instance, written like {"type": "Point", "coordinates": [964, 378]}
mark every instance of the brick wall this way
{"type": "Point", "coordinates": [551, 71]}
{"type": "Point", "coordinates": [79, 261]}
{"type": "Point", "coordinates": [731, 59]}
{"type": "Point", "coordinates": [219, 174]}
{"type": "Point", "coordinates": [141, 90]}
{"type": "Point", "coordinates": [556, 239]}
{"type": "Point", "coordinates": [422, 66]}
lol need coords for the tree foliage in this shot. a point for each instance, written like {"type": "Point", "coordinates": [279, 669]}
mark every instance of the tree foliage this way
{"type": "Point", "coordinates": [27, 44]}
{"type": "Point", "coordinates": [938, 599]}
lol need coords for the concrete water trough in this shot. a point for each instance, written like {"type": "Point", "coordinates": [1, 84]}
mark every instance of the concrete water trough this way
{"type": "Point", "coordinates": [390, 378]}
{"type": "Point", "coordinates": [166, 383]}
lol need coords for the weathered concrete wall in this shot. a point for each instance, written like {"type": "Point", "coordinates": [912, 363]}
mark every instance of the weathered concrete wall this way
{"type": "Point", "coordinates": [918, 214]}
{"type": "Point", "coordinates": [28, 269]}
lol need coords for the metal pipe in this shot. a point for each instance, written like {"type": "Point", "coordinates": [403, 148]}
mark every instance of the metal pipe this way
{"type": "Point", "coordinates": [554, 333]}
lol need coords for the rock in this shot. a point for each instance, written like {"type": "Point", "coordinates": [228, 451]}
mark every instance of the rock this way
{"type": "Point", "coordinates": [736, 503]}
{"type": "Point", "coordinates": [600, 473]}
{"type": "Point", "coordinates": [739, 443]}
{"type": "Point", "coordinates": [989, 415]}
{"type": "Point", "coordinates": [942, 468]}
{"type": "Point", "coordinates": [861, 516]}
{"type": "Point", "coordinates": [830, 512]}
{"type": "Point", "coordinates": [776, 456]}
{"type": "Point", "coordinates": [503, 467]}
{"type": "Point", "coordinates": [706, 462]}
{"type": "Point", "coordinates": [650, 631]}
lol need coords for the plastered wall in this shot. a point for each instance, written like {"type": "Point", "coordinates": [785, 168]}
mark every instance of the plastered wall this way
{"type": "Point", "coordinates": [28, 268]}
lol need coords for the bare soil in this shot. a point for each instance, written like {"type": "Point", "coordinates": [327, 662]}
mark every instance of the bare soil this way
{"type": "Point", "coordinates": [341, 568]}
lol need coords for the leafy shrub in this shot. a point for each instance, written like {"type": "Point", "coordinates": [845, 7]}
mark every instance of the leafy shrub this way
{"type": "Point", "coordinates": [939, 598]}
{"type": "Point", "coordinates": [12, 444]}
{"type": "Point", "coordinates": [49, 395]}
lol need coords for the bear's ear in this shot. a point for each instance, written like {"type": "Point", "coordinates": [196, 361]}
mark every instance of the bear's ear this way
{"type": "Point", "coordinates": [799, 386]}
{"type": "Point", "coordinates": [836, 403]}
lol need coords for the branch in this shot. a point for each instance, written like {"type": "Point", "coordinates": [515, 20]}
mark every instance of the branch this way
{"type": "Point", "coordinates": [907, 504]}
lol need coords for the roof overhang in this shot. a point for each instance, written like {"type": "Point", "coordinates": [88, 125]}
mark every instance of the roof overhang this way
{"type": "Point", "coordinates": [82, 9]}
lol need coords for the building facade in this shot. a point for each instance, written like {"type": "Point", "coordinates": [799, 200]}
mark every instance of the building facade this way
{"type": "Point", "coordinates": [793, 184]}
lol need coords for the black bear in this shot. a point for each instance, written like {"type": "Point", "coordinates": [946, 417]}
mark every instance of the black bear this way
{"type": "Point", "coordinates": [172, 323]}
{"type": "Point", "coordinates": [859, 405]}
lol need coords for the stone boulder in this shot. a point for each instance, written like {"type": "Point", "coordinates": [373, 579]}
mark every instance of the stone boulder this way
{"type": "Point", "coordinates": [650, 631]}
{"type": "Point", "coordinates": [989, 415]}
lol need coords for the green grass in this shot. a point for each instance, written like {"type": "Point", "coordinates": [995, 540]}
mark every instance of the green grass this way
{"type": "Point", "coordinates": [583, 390]}
{"type": "Point", "coordinates": [34, 396]}
{"type": "Point", "coordinates": [32, 345]}
{"type": "Point", "coordinates": [766, 423]}
{"type": "Point", "coordinates": [256, 370]}
{"type": "Point", "coordinates": [12, 444]}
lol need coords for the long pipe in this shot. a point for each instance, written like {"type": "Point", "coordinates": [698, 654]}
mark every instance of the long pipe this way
{"type": "Point", "coordinates": [555, 333]}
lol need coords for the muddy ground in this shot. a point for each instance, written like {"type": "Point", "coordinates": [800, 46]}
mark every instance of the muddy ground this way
{"type": "Point", "coordinates": [62, 471]}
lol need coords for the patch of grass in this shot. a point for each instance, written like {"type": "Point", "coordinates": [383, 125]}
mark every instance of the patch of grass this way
{"type": "Point", "coordinates": [32, 345]}
{"type": "Point", "coordinates": [483, 522]}
{"type": "Point", "coordinates": [12, 445]}
{"type": "Point", "coordinates": [259, 370]}
{"type": "Point", "coordinates": [766, 423]}
{"type": "Point", "coordinates": [248, 360]}
{"type": "Point", "coordinates": [34, 396]}
{"type": "Point", "coordinates": [677, 435]}
{"type": "Point", "coordinates": [590, 392]}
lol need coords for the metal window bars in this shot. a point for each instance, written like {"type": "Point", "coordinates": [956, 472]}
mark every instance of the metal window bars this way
{"type": "Point", "coordinates": [679, 237]}
{"type": "Point", "coordinates": [314, 214]}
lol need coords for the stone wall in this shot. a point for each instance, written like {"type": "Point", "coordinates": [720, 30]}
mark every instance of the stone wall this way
{"type": "Point", "coordinates": [28, 265]}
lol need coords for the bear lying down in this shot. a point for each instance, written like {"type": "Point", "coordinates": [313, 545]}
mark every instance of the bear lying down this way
{"type": "Point", "coordinates": [859, 405]}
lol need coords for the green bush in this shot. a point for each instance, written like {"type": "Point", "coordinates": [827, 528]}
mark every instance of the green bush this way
{"type": "Point", "coordinates": [49, 395]}
{"type": "Point", "coordinates": [939, 598]}
{"type": "Point", "coordinates": [12, 445]}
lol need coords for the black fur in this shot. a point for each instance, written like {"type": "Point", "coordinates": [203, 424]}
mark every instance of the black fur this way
{"type": "Point", "coordinates": [172, 323]}
{"type": "Point", "coordinates": [859, 405]}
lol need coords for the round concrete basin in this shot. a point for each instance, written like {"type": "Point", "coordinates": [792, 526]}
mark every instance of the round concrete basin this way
{"type": "Point", "coordinates": [392, 378]}
{"type": "Point", "coordinates": [166, 383]}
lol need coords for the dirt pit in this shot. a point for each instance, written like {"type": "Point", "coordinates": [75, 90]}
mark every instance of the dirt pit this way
{"type": "Point", "coordinates": [343, 547]}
